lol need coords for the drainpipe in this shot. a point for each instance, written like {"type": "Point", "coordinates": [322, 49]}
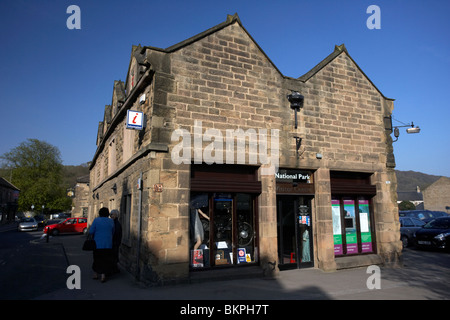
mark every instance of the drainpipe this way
{"type": "Point", "coordinates": [138, 271]}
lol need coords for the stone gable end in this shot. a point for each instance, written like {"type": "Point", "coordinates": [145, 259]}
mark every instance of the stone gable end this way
{"type": "Point", "coordinates": [226, 81]}
{"type": "Point", "coordinates": [343, 110]}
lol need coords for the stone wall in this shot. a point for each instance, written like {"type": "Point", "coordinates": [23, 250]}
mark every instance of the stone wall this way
{"type": "Point", "coordinates": [436, 197]}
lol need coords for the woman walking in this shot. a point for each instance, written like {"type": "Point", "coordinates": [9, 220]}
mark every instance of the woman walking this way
{"type": "Point", "coordinates": [117, 239]}
{"type": "Point", "coordinates": [102, 229]}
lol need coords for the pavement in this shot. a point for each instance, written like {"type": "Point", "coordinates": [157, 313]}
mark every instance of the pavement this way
{"type": "Point", "coordinates": [423, 277]}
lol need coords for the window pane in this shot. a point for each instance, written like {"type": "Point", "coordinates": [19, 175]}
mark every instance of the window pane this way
{"type": "Point", "coordinates": [364, 224]}
{"type": "Point", "coordinates": [350, 226]}
{"type": "Point", "coordinates": [223, 230]}
{"type": "Point", "coordinates": [246, 227]}
{"type": "Point", "coordinates": [199, 230]}
{"type": "Point", "coordinates": [337, 231]}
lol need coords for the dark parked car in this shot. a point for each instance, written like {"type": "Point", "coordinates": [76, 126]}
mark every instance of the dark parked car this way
{"type": "Point", "coordinates": [424, 215]}
{"type": "Point", "coordinates": [40, 220]}
{"type": "Point", "coordinates": [408, 227]}
{"type": "Point", "coordinates": [435, 234]}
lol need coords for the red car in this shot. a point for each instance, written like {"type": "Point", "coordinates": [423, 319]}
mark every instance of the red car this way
{"type": "Point", "coordinates": [70, 225]}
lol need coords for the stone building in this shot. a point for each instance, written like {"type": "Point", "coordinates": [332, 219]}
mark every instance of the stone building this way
{"type": "Point", "coordinates": [80, 202]}
{"type": "Point", "coordinates": [221, 177]}
{"type": "Point", "coordinates": [436, 197]}
{"type": "Point", "coordinates": [9, 197]}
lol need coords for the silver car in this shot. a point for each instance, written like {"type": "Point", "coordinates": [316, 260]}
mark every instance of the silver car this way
{"type": "Point", "coordinates": [28, 224]}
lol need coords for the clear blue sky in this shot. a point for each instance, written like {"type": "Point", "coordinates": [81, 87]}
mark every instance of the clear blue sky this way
{"type": "Point", "coordinates": [55, 82]}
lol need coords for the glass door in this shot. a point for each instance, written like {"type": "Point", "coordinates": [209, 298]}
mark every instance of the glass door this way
{"type": "Point", "coordinates": [295, 237]}
{"type": "Point", "coordinates": [287, 244]}
{"type": "Point", "coordinates": [305, 233]}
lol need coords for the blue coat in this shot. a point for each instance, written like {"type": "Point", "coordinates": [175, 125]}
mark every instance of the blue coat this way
{"type": "Point", "coordinates": [103, 229]}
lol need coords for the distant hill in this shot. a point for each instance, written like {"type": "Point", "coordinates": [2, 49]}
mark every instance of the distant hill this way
{"type": "Point", "coordinates": [72, 173]}
{"type": "Point", "coordinates": [409, 180]}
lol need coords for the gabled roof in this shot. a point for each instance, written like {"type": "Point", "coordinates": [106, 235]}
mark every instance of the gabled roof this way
{"type": "Point", "coordinates": [136, 53]}
{"type": "Point", "coordinates": [5, 183]}
{"type": "Point", "coordinates": [231, 19]}
{"type": "Point", "coordinates": [338, 50]}
{"type": "Point", "coordinates": [442, 181]}
{"type": "Point", "coordinates": [410, 196]}
{"type": "Point", "coordinates": [119, 91]}
{"type": "Point", "coordinates": [83, 179]}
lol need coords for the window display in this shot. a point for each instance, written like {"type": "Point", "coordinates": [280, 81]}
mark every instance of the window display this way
{"type": "Point", "coordinates": [222, 229]}
{"type": "Point", "coordinates": [352, 217]}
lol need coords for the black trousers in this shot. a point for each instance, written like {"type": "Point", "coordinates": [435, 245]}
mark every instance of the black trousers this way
{"type": "Point", "coordinates": [103, 261]}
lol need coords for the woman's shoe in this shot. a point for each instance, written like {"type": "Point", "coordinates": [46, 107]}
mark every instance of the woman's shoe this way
{"type": "Point", "coordinates": [103, 278]}
{"type": "Point", "coordinates": [95, 276]}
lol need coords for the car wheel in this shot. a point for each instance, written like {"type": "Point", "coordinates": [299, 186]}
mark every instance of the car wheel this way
{"type": "Point", "coordinates": [405, 241]}
{"type": "Point", "coordinates": [84, 230]}
{"type": "Point", "coordinates": [55, 232]}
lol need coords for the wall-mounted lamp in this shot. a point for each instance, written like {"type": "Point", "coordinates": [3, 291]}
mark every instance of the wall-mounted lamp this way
{"type": "Point", "coordinates": [296, 100]}
{"type": "Point", "coordinates": [114, 188]}
{"type": "Point", "coordinates": [411, 127]}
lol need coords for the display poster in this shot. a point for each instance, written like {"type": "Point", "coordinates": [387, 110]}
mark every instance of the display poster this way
{"type": "Point", "coordinates": [337, 234]}
{"type": "Point", "coordinates": [364, 224]}
{"type": "Point", "coordinates": [242, 255]}
{"type": "Point", "coordinates": [350, 227]}
{"type": "Point", "coordinates": [306, 220]}
{"type": "Point", "coordinates": [197, 258]}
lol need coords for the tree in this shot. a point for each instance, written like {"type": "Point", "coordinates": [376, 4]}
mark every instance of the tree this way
{"type": "Point", "coordinates": [36, 169]}
{"type": "Point", "coordinates": [406, 205]}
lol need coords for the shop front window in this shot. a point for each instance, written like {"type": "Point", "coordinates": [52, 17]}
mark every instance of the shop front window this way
{"type": "Point", "coordinates": [352, 231]}
{"type": "Point", "coordinates": [222, 227]}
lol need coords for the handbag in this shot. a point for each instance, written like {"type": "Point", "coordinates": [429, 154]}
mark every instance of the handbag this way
{"type": "Point", "coordinates": [89, 244]}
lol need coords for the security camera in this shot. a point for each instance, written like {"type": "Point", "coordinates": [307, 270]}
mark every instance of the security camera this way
{"type": "Point", "coordinates": [142, 99]}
